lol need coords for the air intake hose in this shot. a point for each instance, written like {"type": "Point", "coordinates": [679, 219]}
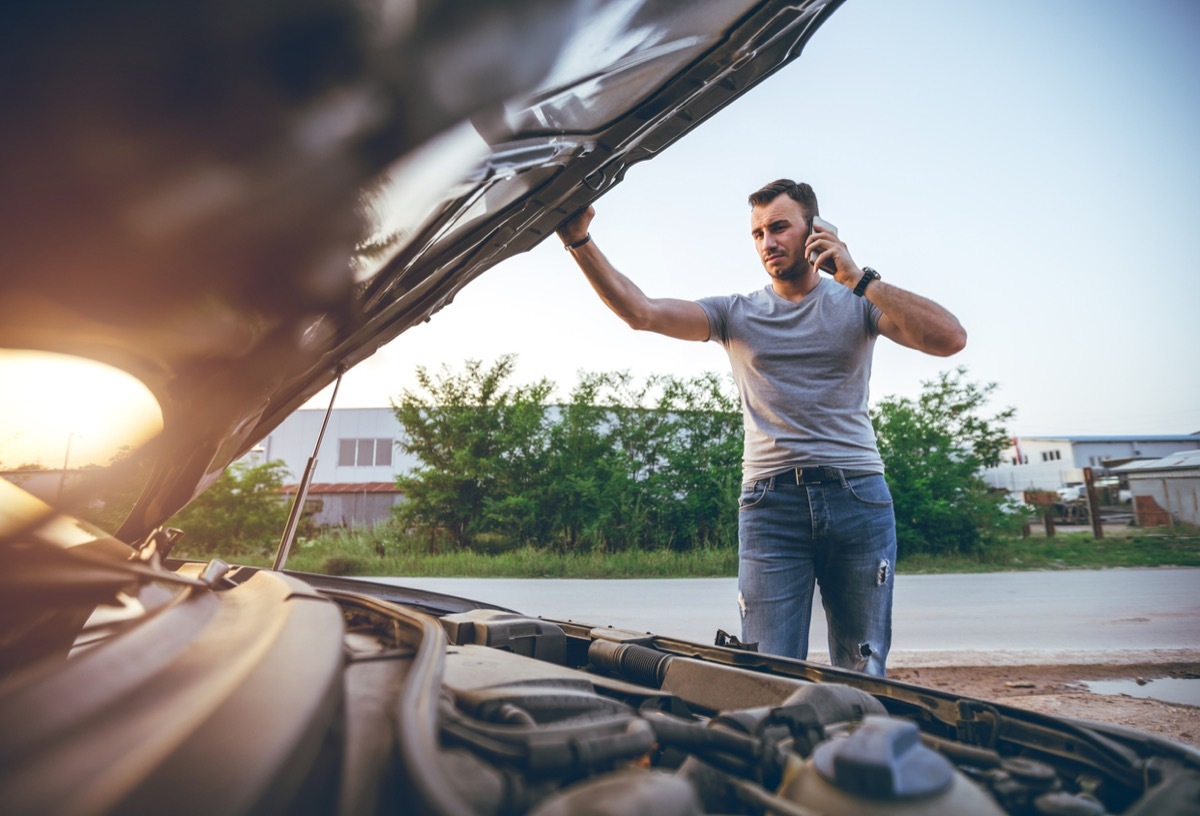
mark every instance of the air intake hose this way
{"type": "Point", "coordinates": [637, 664]}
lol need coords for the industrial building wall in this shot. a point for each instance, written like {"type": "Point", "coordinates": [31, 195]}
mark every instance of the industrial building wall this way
{"type": "Point", "coordinates": [1165, 499]}
{"type": "Point", "coordinates": [1092, 453]}
{"type": "Point", "coordinates": [354, 509]}
{"type": "Point", "coordinates": [1048, 463]}
{"type": "Point", "coordinates": [359, 445]}
{"type": "Point", "coordinates": [1035, 464]}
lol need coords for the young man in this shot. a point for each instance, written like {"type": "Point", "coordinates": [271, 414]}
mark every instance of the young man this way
{"type": "Point", "coordinates": [814, 503]}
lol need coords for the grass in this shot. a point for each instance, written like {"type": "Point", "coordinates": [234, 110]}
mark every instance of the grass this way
{"type": "Point", "coordinates": [357, 554]}
{"type": "Point", "coordinates": [384, 551]}
{"type": "Point", "coordinates": [1132, 548]}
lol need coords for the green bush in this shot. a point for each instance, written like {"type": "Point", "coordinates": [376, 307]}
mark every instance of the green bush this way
{"type": "Point", "coordinates": [934, 451]}
{"type": "Point", "coordinates": [621, 465]}
{"type": "Point", "coordinates": [243, 512]}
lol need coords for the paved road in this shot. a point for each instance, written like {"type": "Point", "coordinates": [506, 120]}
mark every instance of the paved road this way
{"type": "Point", "coordinates": [996, 618]}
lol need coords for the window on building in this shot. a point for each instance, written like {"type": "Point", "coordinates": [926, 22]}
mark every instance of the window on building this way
{"type": "Point", "coordinates": [364, 452]}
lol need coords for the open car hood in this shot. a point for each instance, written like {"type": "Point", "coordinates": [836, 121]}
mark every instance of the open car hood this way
{"type": "Point", "coordinates": [236, 204]}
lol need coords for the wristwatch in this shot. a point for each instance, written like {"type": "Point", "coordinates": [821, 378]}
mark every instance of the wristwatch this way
{"type": "Point", "coordinates": [869, 275]}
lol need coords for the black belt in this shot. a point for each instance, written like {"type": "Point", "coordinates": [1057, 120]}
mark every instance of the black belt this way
{"type": "Point", "coordinates": [818, 475]}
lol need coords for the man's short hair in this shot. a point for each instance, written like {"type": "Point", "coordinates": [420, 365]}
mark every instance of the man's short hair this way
{"type": "Point", "coordinates": [798, 192]}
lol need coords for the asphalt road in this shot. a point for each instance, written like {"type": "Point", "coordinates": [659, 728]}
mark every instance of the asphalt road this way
{"type": "Point", "coordinates": [1046, 618]}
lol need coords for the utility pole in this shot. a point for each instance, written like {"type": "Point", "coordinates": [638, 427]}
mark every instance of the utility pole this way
{"type": "Point", "coordinates": [62, 479]}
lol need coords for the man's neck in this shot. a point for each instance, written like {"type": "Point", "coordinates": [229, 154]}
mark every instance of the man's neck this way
{"type": "Point", "coordinates": [795, 289]}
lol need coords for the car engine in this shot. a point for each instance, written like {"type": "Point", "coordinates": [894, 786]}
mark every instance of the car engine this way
{"type": "Point", "coordinates": [526, 715]}
{"type": "Point", "coordinates": [131, 687]}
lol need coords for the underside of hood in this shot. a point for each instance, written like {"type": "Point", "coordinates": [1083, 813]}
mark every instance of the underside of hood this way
{"type": "Point", "coordinates": [234, 203]}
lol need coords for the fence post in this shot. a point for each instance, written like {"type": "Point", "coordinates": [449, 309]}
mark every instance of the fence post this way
{"type": "Point", "coordinates": [1093, 503]}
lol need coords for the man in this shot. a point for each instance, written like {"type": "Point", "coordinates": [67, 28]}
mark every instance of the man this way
{"type": "Point", "coordinates": [814, 503]}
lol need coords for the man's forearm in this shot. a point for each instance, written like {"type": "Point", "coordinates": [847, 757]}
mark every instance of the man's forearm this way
{"type": "Point", "coordinates": [919, 322]}
{"type": "Point", "coordinates": [675, 318]}
{"type": "Point", "coordinates": [617, 291]}
{"type": "Point", "coordinates": [682, 319]}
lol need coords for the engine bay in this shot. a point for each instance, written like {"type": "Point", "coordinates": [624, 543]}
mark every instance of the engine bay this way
{"type": "Point", "coordinates": [206, 689]}
{"type": "Point", "coordinates": [527, 715]}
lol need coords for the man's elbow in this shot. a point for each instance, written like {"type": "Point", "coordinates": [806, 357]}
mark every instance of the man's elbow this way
{"type": "Point", "coordinates": [631, 314]}
{"type": "Point", "coordinates": [643, 317]}
{"type": "Point", "coordinates": [638, 321]}
{"type": "Point", "coordinates": [954, 342]}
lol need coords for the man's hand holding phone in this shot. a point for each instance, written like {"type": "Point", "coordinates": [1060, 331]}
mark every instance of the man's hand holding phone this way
{"type": "Point", "coordinates": [827, 252]}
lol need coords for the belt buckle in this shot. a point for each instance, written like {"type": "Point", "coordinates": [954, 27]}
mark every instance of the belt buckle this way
{"type": "Point", "coordinates": [810, 475]}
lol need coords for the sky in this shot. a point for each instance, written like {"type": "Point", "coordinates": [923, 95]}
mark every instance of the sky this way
{"type": "Point", "coordinates": [1033, 166]}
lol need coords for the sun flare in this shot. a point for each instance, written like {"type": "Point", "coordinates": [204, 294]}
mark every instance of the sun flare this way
{"type": "Point", "coordinates": [57, 410]}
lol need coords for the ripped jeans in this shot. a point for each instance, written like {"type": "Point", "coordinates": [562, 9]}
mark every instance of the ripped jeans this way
{"type": "Point", "coordinates": [842, 534]}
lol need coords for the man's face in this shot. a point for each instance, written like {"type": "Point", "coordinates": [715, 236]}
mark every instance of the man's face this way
{"type": "Point", "coordinates": [779, 229]}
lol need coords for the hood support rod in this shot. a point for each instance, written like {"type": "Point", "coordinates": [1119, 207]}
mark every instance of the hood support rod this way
{"type": "Point", "coordinates": [293, 522]}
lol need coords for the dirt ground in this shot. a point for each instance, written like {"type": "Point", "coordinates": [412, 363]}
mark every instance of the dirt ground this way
{"type": "Point", "coordinates": [1060, 691]}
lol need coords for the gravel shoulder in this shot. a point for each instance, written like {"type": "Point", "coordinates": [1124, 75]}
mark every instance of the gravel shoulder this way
{"type": "Point", "coordinates": [1059, 690]}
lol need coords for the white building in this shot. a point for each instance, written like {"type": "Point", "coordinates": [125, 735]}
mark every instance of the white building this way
{"type": "Point", "coordinates": [354, 478]}
{"type": "Point", "coordinates": [1051, 462]}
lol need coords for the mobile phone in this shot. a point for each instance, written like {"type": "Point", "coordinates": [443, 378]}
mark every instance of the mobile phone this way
{"type": "Point", "coordinates": [829, 266]}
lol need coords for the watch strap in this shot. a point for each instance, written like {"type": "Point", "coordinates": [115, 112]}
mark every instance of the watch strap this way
{"type": "Point", "coordinates": [579, 243]}
{"type": "Point", "coordinates": [869, 275]}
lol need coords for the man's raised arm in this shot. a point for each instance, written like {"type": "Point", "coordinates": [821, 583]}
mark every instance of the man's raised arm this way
{"type": "Point", "coordinates": [915, 321]}
{"type": "Point", "coordinates": [682, 319]}
{"type": "Point", "coordinates": [907, 318]}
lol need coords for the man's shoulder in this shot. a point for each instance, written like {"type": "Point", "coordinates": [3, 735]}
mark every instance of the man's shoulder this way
{"type": "Point", "coordinates": [755, 299]}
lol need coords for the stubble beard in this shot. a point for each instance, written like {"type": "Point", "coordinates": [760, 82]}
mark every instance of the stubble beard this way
{"type": "Point", "coordinates": [793, 271]}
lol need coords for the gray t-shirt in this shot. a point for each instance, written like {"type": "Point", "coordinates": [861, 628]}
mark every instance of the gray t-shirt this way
{"type": "Point", "coordinates": [803, 371]}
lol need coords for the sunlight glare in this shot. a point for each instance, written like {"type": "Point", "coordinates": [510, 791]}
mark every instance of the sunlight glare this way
{"type": "Point", "coordinates": [52, 402]}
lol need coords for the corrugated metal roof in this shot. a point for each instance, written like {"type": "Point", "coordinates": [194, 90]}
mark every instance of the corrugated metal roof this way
{"type": "Point", "coordinates": [346, 487]}
{"type": "Point", "coordinates": [1183, 460]}
{"type": "Point", "coordinates": [1122, 438]}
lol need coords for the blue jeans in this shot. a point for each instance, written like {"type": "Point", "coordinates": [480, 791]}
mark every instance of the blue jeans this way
{"type": "Point", "coordinates": [841, 534]}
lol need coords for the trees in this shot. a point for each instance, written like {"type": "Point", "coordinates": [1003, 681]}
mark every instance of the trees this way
{"type": "Point", "coordinates": [480, 442]}
{"type": "Point", "coordinates": [934, 449]}
{"type": "Point", "coordinates": [654, 464]}
{"type": "Point", "coordinates": [620, 464]}
{"type": "Point", "coordinates": [587, 478]}
{"type": "Point", "coordinates": [657, 464]}
{"type": "Point", "coordinates": [243, 511]}
{"type": "Point", "coordinates": [695, 490]}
